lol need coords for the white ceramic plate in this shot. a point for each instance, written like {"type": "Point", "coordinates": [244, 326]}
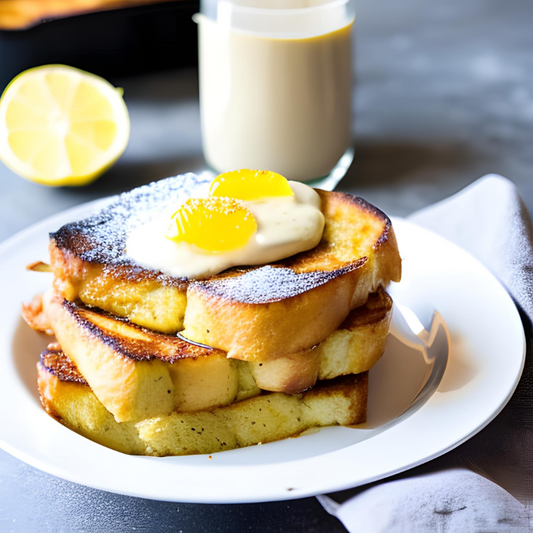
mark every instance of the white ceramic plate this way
{"type": "Point", "coordinates": [486, 361]}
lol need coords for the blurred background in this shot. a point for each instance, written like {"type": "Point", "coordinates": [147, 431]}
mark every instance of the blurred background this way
{"type": "Point", "coordinates": [443, 94]}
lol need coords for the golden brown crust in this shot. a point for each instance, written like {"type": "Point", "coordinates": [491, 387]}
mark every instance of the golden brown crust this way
{"type": "Point", "coordinates": [287, 307]}
{"type": "Point", "coordinates": [329, 387]}
{"type": "Point", "coordinates": [47, 383]}
{"type": "Point", "coordinates": [132, 341]}
{"type": "Point", "coordinates": [274, 330]}
{"type": "Point", "coordinates": [376, 308]}
{"type": "Point", "coordinates": [101, 238]}
{"type": "Point", "coordinates": [357, 255]}
{"type": "Point", "coordinates": [134, 371]}
{"type": "Point", "coordinates": [141, 344]}
{"type": "Point", "coordinates": [353, 348]}
{"type": "Point", "coordinates": [55, 361]}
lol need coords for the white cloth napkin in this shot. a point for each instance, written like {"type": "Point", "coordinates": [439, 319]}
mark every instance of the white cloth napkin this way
{"type": "Point", "coordinates": [490, 220]}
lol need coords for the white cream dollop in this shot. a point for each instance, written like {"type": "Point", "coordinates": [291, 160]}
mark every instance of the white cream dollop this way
{"type": "Point", "coordinates": [285, 226]}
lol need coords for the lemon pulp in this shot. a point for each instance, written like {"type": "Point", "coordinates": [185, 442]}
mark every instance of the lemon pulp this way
{"type": "Point", "coordinates": [250, 185]}
{"type": "Point", "coordinates": [61, 126]}
{"type": "Point", "coordinates": [212, 224]}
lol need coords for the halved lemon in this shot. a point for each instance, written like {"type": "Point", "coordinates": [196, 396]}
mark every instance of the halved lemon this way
{"type": "Point", "coordinates": [61, 126]}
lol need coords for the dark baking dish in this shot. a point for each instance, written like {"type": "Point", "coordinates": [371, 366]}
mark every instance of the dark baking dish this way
{"type": "Point", "coordinates": [110, 43]}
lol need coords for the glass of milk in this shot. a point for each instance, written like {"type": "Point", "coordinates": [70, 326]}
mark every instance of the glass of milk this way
{"type": "Point", "coordinates": [275, 84]}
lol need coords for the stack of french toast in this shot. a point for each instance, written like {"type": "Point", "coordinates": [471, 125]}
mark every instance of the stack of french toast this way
{"type": "Point", "coordinates": [148, 363]}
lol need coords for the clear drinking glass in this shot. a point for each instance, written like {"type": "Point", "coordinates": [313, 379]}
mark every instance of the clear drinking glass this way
{"type": "Point", "coordinates": [275, 84]}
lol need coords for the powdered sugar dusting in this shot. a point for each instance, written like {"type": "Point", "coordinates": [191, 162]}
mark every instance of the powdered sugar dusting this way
{"type": "Point", "coordinates": [102, 237]}
{"type": "Point", "coordinates": [271, 284]}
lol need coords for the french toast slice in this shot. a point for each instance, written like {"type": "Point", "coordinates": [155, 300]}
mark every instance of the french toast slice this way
{"type": "Point", "coordinates": [288, 306]}
{"type": "Point", "coordinates": [67, 397]}
{"type": "Point", "coordinates": [137, 374]}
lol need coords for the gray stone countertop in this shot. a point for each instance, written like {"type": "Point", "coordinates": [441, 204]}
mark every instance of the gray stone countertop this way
{"type": "Point", "coordinates": [443, 95]}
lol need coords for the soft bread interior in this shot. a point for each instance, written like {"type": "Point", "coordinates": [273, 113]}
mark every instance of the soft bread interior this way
{"type": "Point", "coordinates": [265, 418]}
{"type": "Point", "coordinates": [137, 374]}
